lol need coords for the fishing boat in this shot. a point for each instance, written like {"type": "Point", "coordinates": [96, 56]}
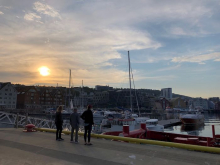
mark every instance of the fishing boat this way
{"type": "Point", "coordinates": [192, 118]}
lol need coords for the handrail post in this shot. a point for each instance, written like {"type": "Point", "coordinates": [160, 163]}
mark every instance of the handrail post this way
{"type": "Point", "coordinates": [17, 121]}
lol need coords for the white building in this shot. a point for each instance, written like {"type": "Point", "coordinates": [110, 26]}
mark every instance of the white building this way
{"type": "Point", "coordinates": [8, 96]}
{"type": "Point", "coordinates": [167, 93]}
{"type": "Point", "coordinates": [200, 102]}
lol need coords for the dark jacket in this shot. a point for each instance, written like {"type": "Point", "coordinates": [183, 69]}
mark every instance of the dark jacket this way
{"type": "Point", "coordinates": [58, 118]}
{"type": "Point", "coordinates": [87, 116]}
{"type": "Point", "coordinates": [74, 120]}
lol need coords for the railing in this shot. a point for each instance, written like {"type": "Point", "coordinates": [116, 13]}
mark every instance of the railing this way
{"type": "Point", "coordinates": [17, 120]}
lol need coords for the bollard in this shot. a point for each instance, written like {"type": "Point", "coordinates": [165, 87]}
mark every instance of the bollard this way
{"type": "Point", "coordinates": [213, 131]}
{"type": "Point", "coordinates": [29, 128]}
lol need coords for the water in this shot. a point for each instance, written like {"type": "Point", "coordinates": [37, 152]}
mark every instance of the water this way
{"type": "Point", "coordinates": [202, 130]}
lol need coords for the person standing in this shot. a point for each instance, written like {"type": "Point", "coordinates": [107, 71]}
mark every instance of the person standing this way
{"type": "Point", "coordinates": [87, 116]}
{"type": "Point", "coordinates": [59, 123]}
{"type": "Point", "coordinates": [74, 122]}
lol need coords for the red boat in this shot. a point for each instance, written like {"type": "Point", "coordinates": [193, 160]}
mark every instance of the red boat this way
{"type": "Point", "coordinates": [192, 118]}
{"type": "Point", "coordinates": [145, 133]}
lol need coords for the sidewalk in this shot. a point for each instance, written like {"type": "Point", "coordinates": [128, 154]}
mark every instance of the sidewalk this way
{"type": "Point", "coordinates": [37, 148]}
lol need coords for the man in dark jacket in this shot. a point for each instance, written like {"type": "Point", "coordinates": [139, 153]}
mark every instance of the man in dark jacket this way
{"type": "Point", "coordinates": [87, 116]}
{"type": "Point", "coordinates": [74, 122]}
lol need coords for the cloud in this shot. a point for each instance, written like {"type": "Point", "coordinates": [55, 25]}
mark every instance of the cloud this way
{"type": "Point", "coordinates": [32, 17]}
{"type": "Point", "coordinates": [46, 9]}
{"type": "Point", "coordinates": [1, 12]}
{"type": "Point", "coordinates": [170, 68]}
{"type": "Point", "coordinates": [198, 58]}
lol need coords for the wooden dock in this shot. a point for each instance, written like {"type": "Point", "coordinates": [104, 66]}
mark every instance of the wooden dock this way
{"type": "Point", "coordinates": [169, 123]}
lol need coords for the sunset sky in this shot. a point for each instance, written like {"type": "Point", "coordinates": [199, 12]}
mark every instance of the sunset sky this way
{"type": "Point", "coordinates": [172, 43]}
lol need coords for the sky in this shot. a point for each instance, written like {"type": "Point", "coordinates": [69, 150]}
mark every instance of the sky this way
{"type": "Point", "coordinates": [172, 44]}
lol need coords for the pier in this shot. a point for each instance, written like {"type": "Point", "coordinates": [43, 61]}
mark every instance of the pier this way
{"type": "Point", "coordinates": [41, 148]}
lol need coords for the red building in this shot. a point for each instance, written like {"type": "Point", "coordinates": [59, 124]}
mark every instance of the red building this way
{"type": "Point", "coordinates": [28, 98]}
{"type": "Point", "coordinates": [164, 103]}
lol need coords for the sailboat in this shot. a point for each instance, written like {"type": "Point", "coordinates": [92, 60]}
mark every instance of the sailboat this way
{"type": "Point", "coordinates": [134, 123]}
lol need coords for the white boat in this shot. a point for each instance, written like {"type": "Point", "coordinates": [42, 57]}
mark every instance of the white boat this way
{"type": "Point", "coordinates": [117, 124]}
{"type": "Point", "coordinates": [98, 116]}
{"type": "Point", "coordinates": [152, 124]}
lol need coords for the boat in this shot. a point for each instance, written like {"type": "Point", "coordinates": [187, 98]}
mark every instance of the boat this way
{"type": "Point", "coordinates": [145, 133]}
{"type": "Point", "coordinates": [98, 116]}
{"type": "Point", "coordinates": [116, 125]}
{"type": "Point", "coordinates": [192, 118]}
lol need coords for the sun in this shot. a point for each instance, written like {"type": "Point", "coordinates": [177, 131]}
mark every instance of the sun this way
{"type": "Point", "coordinates": [44, 71]}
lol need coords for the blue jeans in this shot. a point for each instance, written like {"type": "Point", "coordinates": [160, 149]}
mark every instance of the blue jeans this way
{"type": "Point", "coordinates": [87, 129]}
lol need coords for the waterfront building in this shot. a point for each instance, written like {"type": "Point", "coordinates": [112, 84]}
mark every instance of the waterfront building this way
{"type": "Point", "coordinates": [28, 98]}
{"type": "Point", "coordinates": [164, 103]}
{"type": "Point", "coordinates": [100, 98]}
{"type": "Point", "coordinates": [217, 105]}
{"type": "Point", "coordinates": [214, 99]}
{"type": "Point", "coordinates": [51, 97]}
{"type": "Point", "coordinates": [200, 103]}
{"type": "Point", "coordinates": [8, 96]}
{"type": "Point", "coordinates": [167, 93]}
{"type": "Point", "coordinates": [103, 88]}
{"type": "Point", "coordinates": [178, 103]}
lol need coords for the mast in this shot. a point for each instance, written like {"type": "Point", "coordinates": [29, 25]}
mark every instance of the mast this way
{"type": "Point", "coordinates": [130, 80]}
{"type": "Point", "coordinates": [69, 86]}
{"type": "Point", "coordinates": [82, 95]}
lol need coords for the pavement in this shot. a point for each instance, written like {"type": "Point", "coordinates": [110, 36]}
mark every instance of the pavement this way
{"type": "Point", "coordinates": [40, 148]}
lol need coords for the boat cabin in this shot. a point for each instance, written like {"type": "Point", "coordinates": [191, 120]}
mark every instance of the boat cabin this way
{"type": "Point", "coordinates": [152, 122]}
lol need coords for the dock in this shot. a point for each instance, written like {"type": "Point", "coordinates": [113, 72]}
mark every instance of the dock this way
{"type": "Point", "coordinates": [41, 148]}
{"type": "Point", "coordinates": [169, 123]}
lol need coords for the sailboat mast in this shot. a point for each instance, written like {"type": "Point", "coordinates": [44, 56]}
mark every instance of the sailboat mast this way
{"type": "Point", "coordinates": [82, 95]}
{"type": "Point", "coordinates": [69, 86]}
{"type": "Point", "coordinates": [130, 79]}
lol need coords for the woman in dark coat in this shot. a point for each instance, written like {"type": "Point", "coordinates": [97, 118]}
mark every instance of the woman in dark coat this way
{"type": "Point", "coordinates": [59, 123]}
{"type": "Point", "coordinates": [87, 116]}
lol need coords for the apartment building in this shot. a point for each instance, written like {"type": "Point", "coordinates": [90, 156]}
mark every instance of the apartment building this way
{"type": "Point", "coordinates": [166, 93]}
{"type": "Point", "coordinates": [8, 96]}
{"type": "Point", "coordinates": [200, 103]}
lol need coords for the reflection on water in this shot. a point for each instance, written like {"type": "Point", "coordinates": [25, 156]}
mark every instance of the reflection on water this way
{"type": "Point", "coordinates": [192, 130]}
{"type": "Point", "coordinates": [198, 130]}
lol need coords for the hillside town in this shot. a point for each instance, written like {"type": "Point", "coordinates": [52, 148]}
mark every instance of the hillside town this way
{"type": "Point", "coordinates": [39, 98]}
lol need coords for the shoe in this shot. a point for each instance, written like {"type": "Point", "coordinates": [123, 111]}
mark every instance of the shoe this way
{"type": "Point", "coordinates": [71, 141]}
{"type": "Point", "coordinates": [58, 139]}
{"type": "Point", "coordinates": [89, 144]}
{"type": "Point", "coordinates": [76, 142]}
{"type": "Point", "coordinates": [61, 139]}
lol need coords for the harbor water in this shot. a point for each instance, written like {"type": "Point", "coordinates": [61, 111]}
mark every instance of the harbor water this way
{"type": "Point", "coordinates": [198, 130]}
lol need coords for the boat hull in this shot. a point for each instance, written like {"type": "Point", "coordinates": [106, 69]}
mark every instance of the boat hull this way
{"type": "Point", "coordinates": [192, 121]}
